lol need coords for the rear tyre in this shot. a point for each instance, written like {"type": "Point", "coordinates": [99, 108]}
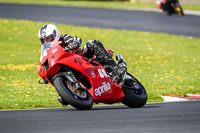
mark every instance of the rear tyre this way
{"type": "Point", "coordinates": [182, 11]}
{"type": "Point", "coordinates": [81, 100]}
{"type": "Point", "coordinates": [179, 11]}
{"type": "Point", "coordinates": [135, 93]}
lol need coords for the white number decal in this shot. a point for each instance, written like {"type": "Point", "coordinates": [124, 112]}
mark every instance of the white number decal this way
{"type": "Point", "coordinates": [43, 55]}
{"type": "Point", "coordinates": [102, 73]}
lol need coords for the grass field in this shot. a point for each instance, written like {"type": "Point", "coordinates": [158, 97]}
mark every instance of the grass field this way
{"type": "Point", "coordinates": [165, 64]}
{"type": "Point", "coordinates": [104, 4]}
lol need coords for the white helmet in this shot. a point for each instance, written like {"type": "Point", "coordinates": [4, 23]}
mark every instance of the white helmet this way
{"type": "Point", "coordinates": [49, 30]}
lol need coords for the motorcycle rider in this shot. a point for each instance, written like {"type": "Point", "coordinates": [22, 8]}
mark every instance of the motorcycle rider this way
{"type": "Point", "coordinates": [166, 5]}
{"type": "Point", "coordinates": [49, 36]}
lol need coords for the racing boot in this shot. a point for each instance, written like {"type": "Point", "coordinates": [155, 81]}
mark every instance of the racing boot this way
{"type": "Point", "coordinates": [120, 68]}
{"type": "Point", "coordinates": [96, 48]}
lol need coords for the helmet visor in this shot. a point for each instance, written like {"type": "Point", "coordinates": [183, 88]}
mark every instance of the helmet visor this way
{"type": "Point", "coordinates": [50, 38]}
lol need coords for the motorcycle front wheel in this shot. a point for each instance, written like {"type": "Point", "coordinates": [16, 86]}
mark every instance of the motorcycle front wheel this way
{"type": "Point", "coordinates": [81, 100]}
{"type": "Point", "coordinates": [135, 93]}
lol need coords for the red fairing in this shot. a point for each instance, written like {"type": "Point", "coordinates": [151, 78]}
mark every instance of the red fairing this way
{"type": "Point", "coordinates": [159, 6]}
{"type": "Point", "coordinates": [159, 3]}
{"type": "Point", "coordinates": [102, 88]}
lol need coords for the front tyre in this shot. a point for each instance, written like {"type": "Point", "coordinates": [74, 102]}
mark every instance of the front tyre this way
{"type": "Point", "coordinates": [81, 100]}
{"type": "Point", "coordinates": [135, 93]}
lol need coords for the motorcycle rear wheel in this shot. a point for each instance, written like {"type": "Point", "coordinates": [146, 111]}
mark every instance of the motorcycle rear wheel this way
{"type": "Point", "coordinates": [81, 101]}
{"type": "Point", "coordinates": [179, 11]}
{"type": "Point", "coordinates": [135, 93]}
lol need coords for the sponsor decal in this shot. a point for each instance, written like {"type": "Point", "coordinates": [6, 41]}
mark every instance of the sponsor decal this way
{"type": "Point", "coordinates": [44, 54]}
{"type": "Point", "coordinates": [93, 75]}
{"type": "Point", "coordinates": [54, 50]}
{"type": "Point", "coordinates": [105, 87]}
{"type": "Point", "coordinates": [53, 56]}
{"type": "Point", "coordinates": [52, 62]}
{"type": "Point", "coordinates": [76, 59]}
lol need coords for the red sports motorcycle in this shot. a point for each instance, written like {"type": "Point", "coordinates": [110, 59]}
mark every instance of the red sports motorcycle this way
{"type": "Point", "coordinates": [81, 82]}
{"type": "Point", "coordinates": [170, 7]}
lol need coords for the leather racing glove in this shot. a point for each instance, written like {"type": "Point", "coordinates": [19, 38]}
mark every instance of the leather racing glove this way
{"type": "Point", "coordinates": [69, 42]}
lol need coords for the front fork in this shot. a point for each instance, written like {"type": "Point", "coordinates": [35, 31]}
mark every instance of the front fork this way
{"type": "Point", "coordinates": [68, 74]}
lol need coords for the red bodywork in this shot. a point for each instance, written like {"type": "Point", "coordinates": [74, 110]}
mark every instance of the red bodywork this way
{"type": "Point", "coordinates": [102, 88]}
{"type": "Point", "coordinates": [159, 3]}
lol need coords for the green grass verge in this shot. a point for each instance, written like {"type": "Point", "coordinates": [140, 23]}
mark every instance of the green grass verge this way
{"type": "Point", "coordinates": [104, 4]}
{"type": "Point", "coordinates": [165, 64]}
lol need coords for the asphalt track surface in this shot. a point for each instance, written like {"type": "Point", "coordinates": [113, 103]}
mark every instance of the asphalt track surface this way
{"type": "Point", "coordinates": [179, 117]}
{"type": "Point", "coordinates": [148, 21]}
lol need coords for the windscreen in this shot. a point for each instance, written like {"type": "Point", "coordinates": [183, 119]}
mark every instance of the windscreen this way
{"type": "Point", "coordinates": [45, 46]}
